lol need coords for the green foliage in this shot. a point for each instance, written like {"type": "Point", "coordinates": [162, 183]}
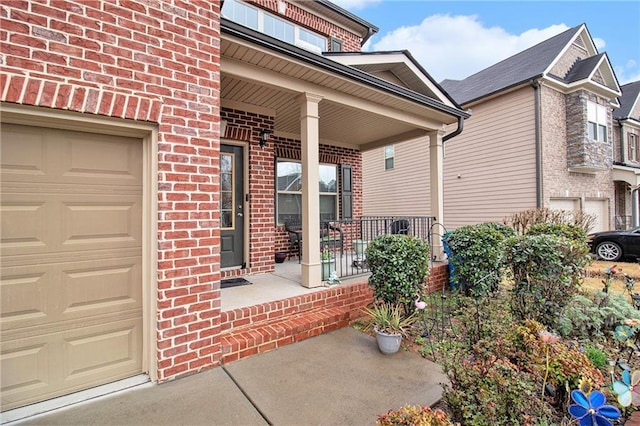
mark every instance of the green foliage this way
{"type": "Point", "coordinates": [389, 318]}
{"type": "Point", "coordinates": [546, 271]}
{"type": "Point", "coordinates": [593, 316]}
{"type": "Point", "coordinates": [399, 267]}
{"type": "Point", "coordinates": [414, 415]}
{"type": "Point", "coordinates": [491, 391]}
{"type": "Point", "coordinates": [597, 356]}
{"type": "Point", "coordinates": [477, 256]}
{"type": "Point", "coordinates": [566, 366]}
{"type": "Point", "coordinates": [572, 232]}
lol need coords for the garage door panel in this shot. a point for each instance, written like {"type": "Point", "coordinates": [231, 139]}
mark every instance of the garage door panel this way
{"type": "Point", "coordinates": [24, 224]}
{"type": "Point", "coordinates": [101, 222]}
{"type": "Point", "coordinates": [52, 295]}
{"type": "Point", "coordinates": [71, 273]}
{"type": "Point", "coordinates": [24, 161]}
{"type": "Point", "coordinates": [82, 222]}
{"type": "Point", "coordinates": [24, 297]}
{"type": "Point", "coordinates": [96, 349]}
{"type": "Point", "coordinates": [25, 369]}
{"type": "Point", "coordinates": [118, 163]}
{"type": "Point", "coordinates": [55, 364]}
{"type": "Point", "coordinates": [112, 285]}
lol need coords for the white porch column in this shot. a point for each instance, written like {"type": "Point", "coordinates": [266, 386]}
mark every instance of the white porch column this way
{"type": "Point", "coordinates": [436, 170]}
{"type": "Point", "coordinates": [309, 136]}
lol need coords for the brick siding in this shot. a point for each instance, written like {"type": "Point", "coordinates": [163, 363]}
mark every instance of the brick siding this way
{"type": "Point", "coordinates": [265, 238]}
{"type": "Point", "coordinates": [558, 181]}
{"type": "Point", "coordinates": [294, 13]}
{"type": "Point", "coordinates": [153, 61]}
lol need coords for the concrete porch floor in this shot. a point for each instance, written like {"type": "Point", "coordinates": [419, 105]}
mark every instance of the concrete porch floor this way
{"type": "Point", "coordinates": [283, 283]}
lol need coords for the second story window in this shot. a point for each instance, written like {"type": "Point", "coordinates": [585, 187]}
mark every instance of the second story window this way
{"type": "Point", "coordinates": [597, 122]}
{"type": "Point", "coordinates": [389, 155]}
{"type": "Point", "coordinates": [634, 148]}
{"type": "Point", "coordinates": [272, 25]}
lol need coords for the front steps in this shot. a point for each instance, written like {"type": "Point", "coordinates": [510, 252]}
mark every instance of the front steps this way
{"type": "Point", "coordinates": [261, 328]}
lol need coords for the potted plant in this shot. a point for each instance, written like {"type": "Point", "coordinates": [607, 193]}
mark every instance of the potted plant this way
{"type": "Point", "coordinates": [390, 324]}
{"type": "Point", "coordinates": [328, 264]}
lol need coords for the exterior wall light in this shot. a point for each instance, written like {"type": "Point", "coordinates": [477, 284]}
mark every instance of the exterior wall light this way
{"type": "Point", "coordinates": [264, 137]}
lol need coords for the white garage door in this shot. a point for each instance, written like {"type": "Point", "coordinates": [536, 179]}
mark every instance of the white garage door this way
{"type": "Point", "coordinates": [600, 209]}
{"type": "Point", "coordinates": [70, 279]}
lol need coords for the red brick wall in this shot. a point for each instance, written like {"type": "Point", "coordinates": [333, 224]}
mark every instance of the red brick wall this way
{"type": "Point", "coordinates": [265, 237]}
{"type": "Point", "coordinates": [155, 61]}
{"type": "Point", "coordinates": [350, 41]}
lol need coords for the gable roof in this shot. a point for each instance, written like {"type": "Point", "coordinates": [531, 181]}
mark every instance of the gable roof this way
{"type": "Point", "coordinates": [519, 68]}
{"type": "Point", "coordinates": [402, 67]}
{"type": "Point", "coordinates": [629, 99]}
{"type": "Point", "coordinates": [593, 73]}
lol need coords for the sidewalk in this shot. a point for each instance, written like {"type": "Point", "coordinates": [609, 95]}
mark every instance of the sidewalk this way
{"type": "Point", "coordinates": [338, 378]}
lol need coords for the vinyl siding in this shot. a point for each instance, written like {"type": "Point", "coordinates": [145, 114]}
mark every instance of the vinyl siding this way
{"type": "Point", "coordinates": [489, 169]}
{"type": "Point", "coordinates": [403, 190]}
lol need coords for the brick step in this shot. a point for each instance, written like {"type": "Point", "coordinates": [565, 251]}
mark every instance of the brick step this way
{"type": "Point", "coordinates": [242, 342]}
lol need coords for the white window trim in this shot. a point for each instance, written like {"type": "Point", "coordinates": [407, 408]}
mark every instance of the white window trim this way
{"type": "Point", "coordinates": [334, 194]}
{"type": "Point", "coordinates": [392, 157]}
{"type": "Point", "coordinates": [297, 28]}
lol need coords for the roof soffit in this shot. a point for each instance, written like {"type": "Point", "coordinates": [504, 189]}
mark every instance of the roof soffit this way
{"type": "Point", "coordinates": [352, 113]}
{"type": "Point", "coordinates": [398, 64]}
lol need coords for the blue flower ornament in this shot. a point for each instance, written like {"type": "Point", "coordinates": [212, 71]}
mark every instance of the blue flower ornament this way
{"type": "Point", "coordinates": [628, 389]}
{"type": "Point", "coordinates": [591, 410]}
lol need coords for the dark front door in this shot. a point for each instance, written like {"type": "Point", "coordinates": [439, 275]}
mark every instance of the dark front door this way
{"type": "Point", "coordinates": [231, 206]}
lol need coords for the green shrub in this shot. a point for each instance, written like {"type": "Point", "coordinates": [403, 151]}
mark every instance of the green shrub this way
{"type": "Point", "coordinates": [491, 391]}
{"type": "Point", "coordinates": [593, 316]}
{"type": "Point", "coordinates": [572, 232]}
{"type": "Point", "coordinates": [413, 415]}
{"type": "Point", "coordinates": [399, 267]}
{"type": "Point", "coordinates": [546, 272]}
{"type": "Point", "coordinates": [477, 256]}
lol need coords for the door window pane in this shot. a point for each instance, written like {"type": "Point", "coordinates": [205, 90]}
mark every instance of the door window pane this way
{"type": "Point", "coordinates": [226, 190]}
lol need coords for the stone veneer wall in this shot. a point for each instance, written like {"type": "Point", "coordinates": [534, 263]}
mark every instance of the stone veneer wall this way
{"type": "Point", "coordinates": [558, 181]}
{"type": "Point", "coordinates": [582, 151]}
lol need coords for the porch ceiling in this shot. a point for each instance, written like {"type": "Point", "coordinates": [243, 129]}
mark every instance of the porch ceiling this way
{"type": "Point", "coordinates": [352, 113]}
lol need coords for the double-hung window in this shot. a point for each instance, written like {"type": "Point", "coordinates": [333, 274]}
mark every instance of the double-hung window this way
{"type": "Point", "coordinates": [389, 155]}
{"type": "Point", "coordinates": [289, 191]}
{"type": "Point", "coordinates": [597, 122]}
{"type": "Point", "coordinates": [632, 140]}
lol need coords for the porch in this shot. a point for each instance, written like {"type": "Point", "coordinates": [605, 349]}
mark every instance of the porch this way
{"type": "Point", "coordinates": [276, 310]}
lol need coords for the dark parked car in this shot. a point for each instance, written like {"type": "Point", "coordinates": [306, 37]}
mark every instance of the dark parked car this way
{"type": "Point", "coordinates": [614, 245]}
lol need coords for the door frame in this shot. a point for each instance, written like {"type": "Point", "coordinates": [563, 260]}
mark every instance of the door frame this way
{"type": "Point", "coordinates": [148, 133]}
{"type": "Point", "coordinates": [246, 205]}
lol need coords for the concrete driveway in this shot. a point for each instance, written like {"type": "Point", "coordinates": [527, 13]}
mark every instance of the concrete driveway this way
{"type": "Point", "coordinates": [338, 378]}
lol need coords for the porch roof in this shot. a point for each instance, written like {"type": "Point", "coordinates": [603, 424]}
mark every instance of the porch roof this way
{"type": "Point", "coordinates": [265, 75]}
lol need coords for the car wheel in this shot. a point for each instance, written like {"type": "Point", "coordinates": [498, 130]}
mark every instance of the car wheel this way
{"type": "Point", "coordinates": [609, 251]}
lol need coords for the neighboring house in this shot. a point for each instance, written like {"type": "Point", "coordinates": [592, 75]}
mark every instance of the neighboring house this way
{"type": "Point", "coordinates": [626, 157]}
{"type": "Point", "coordinates": [144, 145]}
{"type": "Point", "coordinates": [541, 134]}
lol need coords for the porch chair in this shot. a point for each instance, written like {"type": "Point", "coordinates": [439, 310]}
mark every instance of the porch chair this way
{"type": "Point", "coordinates": [400, 226]}
{"type": "Point", "coordinates": [294, 228]}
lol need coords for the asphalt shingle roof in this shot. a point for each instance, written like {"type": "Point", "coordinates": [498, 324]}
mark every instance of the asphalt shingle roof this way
{"type": "Point", "coordinates": [630, 93]}
{"type": "Point", "coordinates": [516, 69]}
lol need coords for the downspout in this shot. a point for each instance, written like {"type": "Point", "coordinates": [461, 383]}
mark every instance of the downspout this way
{"type": "Point", "coordinates": [635, 221]}
{"type": "Point", "coordinates": [455, 132]}
{"type": "Point", "coordinates": [536, 96]}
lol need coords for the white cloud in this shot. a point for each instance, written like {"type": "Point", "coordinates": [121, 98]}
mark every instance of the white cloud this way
{"type": "Point", "coordinates": [454, 47]}
{"type": "Point", "coordinates": [355, 4]}
{"type": "Point", "coordinates": [627, 73]}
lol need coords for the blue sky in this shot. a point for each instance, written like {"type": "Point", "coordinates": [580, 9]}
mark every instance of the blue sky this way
{"type": "Point", "coordinates": [454, 39]}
